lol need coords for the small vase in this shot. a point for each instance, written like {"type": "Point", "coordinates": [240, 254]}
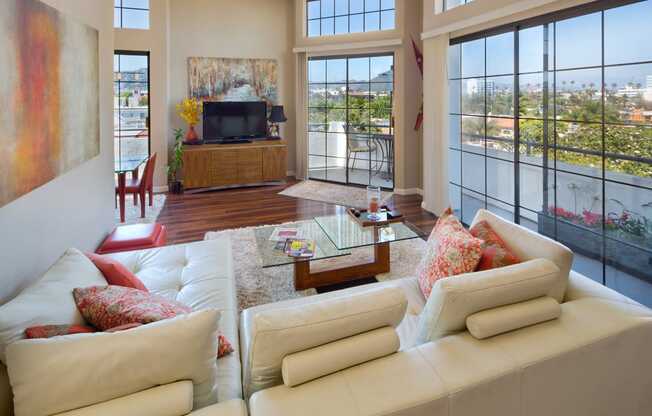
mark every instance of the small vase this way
{"type": "Point", "coordinates": [191, 135]}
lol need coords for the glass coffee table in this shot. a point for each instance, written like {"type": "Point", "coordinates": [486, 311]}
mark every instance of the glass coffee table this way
{"type": "Point", "coordinates": [334, 236]}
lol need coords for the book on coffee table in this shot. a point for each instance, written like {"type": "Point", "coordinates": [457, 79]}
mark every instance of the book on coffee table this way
{"type": "Point", "coordinates": [295, 247]}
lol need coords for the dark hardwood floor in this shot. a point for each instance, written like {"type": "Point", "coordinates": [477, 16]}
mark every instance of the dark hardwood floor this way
{"type": "Point", "coordinates": [188, 217]}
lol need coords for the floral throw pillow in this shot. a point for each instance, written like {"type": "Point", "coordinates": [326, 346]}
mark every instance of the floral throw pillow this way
{"type": "Point", "coordinates": [113, 308]}
{"type": "Point", "coordinates": [495, 253]}
{"type": "Point", "coordinates": [451, 250]}
{"type": "Point", "coordinates": [107, 307]}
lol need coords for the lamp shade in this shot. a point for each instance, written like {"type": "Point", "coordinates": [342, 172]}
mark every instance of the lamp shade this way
{"type": "Point", "coordinates": [277, 115]}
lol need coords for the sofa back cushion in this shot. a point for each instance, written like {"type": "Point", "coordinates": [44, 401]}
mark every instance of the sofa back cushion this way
{"type": "Point", "coordinates": [54, 375]}
{"type": "Point", "coordinates": [49, 301]}
{"type": "Point", "coordinates": [455, 298]}
{"type": "Point", "coordinates": [268, 335]}
{"type": "Point", "coordinates": [528, 245]}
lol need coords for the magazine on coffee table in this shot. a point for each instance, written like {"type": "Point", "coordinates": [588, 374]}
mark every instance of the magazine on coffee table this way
{"type": "Point", "coordinates": [300, 248]}
{"type": "Point", "coordinates": [284, 233]}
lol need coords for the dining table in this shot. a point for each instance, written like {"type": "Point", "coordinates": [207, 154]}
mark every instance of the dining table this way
{"type": "Point", "coordinates": [122, 168]}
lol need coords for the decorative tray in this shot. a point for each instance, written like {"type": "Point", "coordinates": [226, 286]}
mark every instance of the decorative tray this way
{"type": "Point", "coordinates": [386, 215]}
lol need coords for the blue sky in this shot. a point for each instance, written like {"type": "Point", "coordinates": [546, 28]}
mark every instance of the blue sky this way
{"type": "Point", "coordinates": [334, 70]}
{"type": "Point", "coordinates": [628, 35]}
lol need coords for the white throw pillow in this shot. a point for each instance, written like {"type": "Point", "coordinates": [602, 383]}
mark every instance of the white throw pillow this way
{"type": "Point", "coordinates": [455, 298]}
{"type": "Point", "coordinates": [49, 301]}
{"type": "Point", "coordinates": [54, 375]}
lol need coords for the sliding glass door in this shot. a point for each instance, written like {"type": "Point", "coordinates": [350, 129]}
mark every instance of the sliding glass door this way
{"type": "Point", "coordinates": [350, 128]}
{"type": "Point", "coordinates": [551, 127]}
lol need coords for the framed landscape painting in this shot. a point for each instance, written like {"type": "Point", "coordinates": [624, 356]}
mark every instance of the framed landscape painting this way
{"type": "Point", "coordinates": [49, 85]}
{"type": "Point", "coordinates": [229, 79]}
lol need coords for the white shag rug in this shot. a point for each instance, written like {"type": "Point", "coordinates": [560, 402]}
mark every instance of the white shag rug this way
{"type": "Point", "coordinates": [256, 285]}
{"type": "Point", "coordinates": [132, 212]}
{"type": "Point", "coordinates": [348, 196]}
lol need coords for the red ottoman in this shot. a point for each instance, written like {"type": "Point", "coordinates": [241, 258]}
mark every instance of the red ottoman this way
{"type": "Point", "coordinates": [134, 237]}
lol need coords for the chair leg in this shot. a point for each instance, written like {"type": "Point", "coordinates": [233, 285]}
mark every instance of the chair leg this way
{"type": "Point", "coordinates": [136, 199]}
{"type": "Point", "coordinates": [142, 203]}
{"type": "Point", "coordinates": [151, 197]}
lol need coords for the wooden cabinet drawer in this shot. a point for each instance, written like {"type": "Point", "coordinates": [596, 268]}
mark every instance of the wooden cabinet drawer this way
{"type": "Point", "coordinates": [250, 165]}
{"type": "Point", "coordinates": [210, 166]}
{"type": "Point", "coordinates": [275, 160]}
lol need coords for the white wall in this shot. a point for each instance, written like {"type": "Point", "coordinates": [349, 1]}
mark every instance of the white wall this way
{"type": "Point", "coordinates": [75, 209]}
{"type": "Point", "coordinates": [233, 29]}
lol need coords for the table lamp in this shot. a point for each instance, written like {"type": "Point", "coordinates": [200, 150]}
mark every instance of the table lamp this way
{"type": "Point", "coordinates": [277, 116]}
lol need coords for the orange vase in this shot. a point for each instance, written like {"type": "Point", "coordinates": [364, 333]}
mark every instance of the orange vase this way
{"type": "Point", "coordinates": [191, 135]}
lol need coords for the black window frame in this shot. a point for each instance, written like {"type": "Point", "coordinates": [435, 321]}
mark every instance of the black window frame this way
{"type": "Point", "coordinates": [117, 109]}
{"type": "Point", "coordinates": [348, 15]}
{"type": "Point", "coordinates": [350, 129]}
{"type": "Point", "coordinates": [549, 168]}
{"type": "Point", "coordinates": [122, 8]}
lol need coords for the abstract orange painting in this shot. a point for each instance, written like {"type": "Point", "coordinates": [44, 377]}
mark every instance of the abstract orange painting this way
{"type": "Point", "coordinates": [49, 92]}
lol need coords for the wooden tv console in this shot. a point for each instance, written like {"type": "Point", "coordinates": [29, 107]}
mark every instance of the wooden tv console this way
{"type": "Point", "coordinates": [231, 165]}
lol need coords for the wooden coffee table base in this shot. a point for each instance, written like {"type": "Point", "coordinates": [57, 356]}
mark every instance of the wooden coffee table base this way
{"type": "Point", "coordinates": [304, 279]}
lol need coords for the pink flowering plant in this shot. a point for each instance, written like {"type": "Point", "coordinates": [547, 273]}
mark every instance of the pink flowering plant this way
{"type": "Point", "coordinates": [626, 224]}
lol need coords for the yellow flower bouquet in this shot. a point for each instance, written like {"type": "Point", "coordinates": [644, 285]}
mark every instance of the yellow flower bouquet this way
{"type": "Point", "coordinates": [189, 110]}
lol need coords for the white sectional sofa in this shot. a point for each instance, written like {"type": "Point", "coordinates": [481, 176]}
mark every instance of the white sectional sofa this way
{"type": "Point", "coordinates": [362, 351]}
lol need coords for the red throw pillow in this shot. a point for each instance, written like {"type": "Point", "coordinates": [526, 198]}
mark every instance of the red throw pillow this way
{"type": "Point", "coordinates": [49, 331]}
{"type": "Point", "coordinates": [223, 346]}
{"type": "Point", "coordinates": [495, 253]}
{"type": "Point", "coordinates": [451, 250]}
{"type": "Point", "coordinates": [116, 273]}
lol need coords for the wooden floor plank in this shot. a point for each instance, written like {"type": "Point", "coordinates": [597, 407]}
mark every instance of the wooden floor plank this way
{"type": "Point", "coordinates": [188, 217]}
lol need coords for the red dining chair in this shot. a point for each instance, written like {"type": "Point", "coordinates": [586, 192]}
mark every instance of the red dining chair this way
{"type": "Point", "coordinates": [138, 187]}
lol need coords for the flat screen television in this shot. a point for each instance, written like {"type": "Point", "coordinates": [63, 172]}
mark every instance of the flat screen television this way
{"type": "Point", "coordinates": [224, 121]}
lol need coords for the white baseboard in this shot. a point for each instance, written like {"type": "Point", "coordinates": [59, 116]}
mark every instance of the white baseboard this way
{"type": "Point", "coordinates": [160, 189]}
{"type": "Point", "coordinates": [408, 191]}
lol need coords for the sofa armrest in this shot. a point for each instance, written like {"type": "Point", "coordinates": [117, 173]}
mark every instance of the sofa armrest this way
{"type": "Point", "coordinates": [173, 399]}
{"type": "Point", "coordinates": [235, 407]}
{"type": "Point", "coordinates": [268, 333]}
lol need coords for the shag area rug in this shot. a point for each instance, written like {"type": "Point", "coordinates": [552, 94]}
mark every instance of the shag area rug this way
{"type": "Point", "coordinates": [132, 212]}
{"type": "Point", "coordinates": [257, 286]}
{"type": "Point", "coordinates": [348, 196]}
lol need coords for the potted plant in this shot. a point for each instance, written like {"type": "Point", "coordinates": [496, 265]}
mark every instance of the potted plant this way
{"type": "Point", "coordinates": [189, 110]}
{"type": "Point", "coordinates": [176, 163]}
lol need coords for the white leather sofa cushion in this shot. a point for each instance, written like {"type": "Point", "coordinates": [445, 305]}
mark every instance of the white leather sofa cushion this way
{"type": "Point", "coordinates": [593, 360]}
{"type": "Point", "coordinates": [169, 400]}
{"type": "Point", "coordinates": [201, 276]}
{"type": "Point", "coordinates": [50, 376]}
{"type": "Point", "coordinates": [528, 245]}
{"type": "Point", "coordinates": [507, 318]}
{"type": "Point", "coordinates": [270, 332]}
{"type": "Point", "coordinates": [49, 301]}
{"type": "Point", "coordinates": [453, 299]}
{"type": "Point", "coordinates": [304, 366]}
{"type": "Point", "coordinates": [234, 407]}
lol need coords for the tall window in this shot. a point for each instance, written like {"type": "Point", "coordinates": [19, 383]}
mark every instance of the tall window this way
{"type": "Point", "coordinates": [450, 4]}
{"type": "Point", "coordinates": [131, 105]}
{"type": "Point", "coordinates": [337, 17]}
{"type": "Point", "coordinates": [131, 14]}
{"type": "Point", "coordinates": [551, 127]}
{"type": "Point", "coordinates": [350, 130]}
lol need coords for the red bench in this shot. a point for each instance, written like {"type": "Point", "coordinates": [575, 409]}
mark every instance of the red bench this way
{"type": "Point", "coordinates": [134, 237]}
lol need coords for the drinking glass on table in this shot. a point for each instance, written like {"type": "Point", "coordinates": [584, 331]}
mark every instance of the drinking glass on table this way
{"type": "Point", "coordinates": [373, 199]}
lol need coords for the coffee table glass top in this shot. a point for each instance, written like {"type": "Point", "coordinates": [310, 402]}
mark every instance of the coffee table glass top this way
{"type": "Point", "coordinates": [272, 257]}
{"type": "Point", "coordinates": [346, 233]}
